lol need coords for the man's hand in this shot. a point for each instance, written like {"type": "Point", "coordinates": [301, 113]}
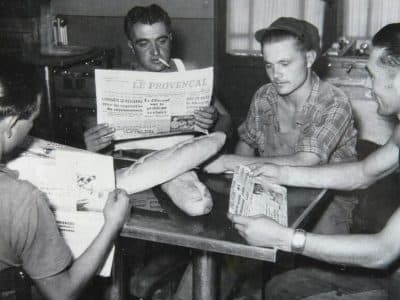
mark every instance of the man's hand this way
{"type": "Point", "coordinates": [206, 117]}
{"type": "Point", "coordinates": [116, 208]}
{"type": "Point", "coordinates": [219, 165]}
{"type": "Point", "coordinates": [271, 172]}
{"type": "Point", "coordinates": [98, 137]}
{"type": "Point", "coordinates": [262, 231]}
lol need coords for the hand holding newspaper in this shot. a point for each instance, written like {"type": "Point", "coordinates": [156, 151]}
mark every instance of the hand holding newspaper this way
{"type": "Point", "coordinates": [145, 104]}
{"type": "Point", "coordinates": [77, 184]}
{"type": "Point", "coordinates": [250, 196]}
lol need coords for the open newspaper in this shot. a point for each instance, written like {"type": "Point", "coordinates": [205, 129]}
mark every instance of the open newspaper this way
{"type": "Point", "coordinates": [77, 183]}
{"type": "Point", "coordinates": [250, 196]}
{"type": "Point", "coordinates": [147, 104]}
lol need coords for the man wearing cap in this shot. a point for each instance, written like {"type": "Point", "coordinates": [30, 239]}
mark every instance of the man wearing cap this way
{"type": "Point", "coordinates": [296, 119]}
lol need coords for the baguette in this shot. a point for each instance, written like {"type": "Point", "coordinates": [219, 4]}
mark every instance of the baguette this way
{"type": "Point", "coordinates": [189, 194]}
{"type": "Point", "coordinates": [164, 165]}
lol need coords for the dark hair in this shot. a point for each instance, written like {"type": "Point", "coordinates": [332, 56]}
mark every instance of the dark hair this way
{"type": "Point", "coordinates": [18, 88]}
{"type": "Point", "coordinates": [277, 35]}
{"type": "Point", "coordinates": [388, 38]}
{"type": "Point", "coordinates": [147, 15]}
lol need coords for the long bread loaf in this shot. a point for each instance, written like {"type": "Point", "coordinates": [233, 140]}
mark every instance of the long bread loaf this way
{"type": "Point", "coordinates": [189, 194]}
{"type": "Point", "coordinates": [164, 165]}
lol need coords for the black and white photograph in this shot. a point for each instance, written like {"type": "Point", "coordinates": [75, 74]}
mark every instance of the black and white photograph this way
{"type": "Point", "coordinates": [199, 150]}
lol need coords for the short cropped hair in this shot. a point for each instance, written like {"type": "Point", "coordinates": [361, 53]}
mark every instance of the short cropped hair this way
{"type": "Point", "coordinates": [388, 38]}
{"type": "Point", "coordinates": [147, 15]}
{"type": "Point", "coordinates": [19, 87]}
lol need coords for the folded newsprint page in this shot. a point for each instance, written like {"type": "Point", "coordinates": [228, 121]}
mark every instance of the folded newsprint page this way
{"type": "Point", "coordinates": [146, 104]}
{"type": "Point", "coordinates": [250, 196]}
{"type": "Point", "coordinates": [77, 183]}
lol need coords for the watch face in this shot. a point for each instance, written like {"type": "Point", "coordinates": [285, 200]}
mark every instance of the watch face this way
{"type": "Point", "coordinates": [298, 241]}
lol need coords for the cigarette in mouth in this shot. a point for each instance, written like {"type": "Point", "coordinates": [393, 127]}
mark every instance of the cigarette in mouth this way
{"type": "Point", "coordinates": [164, 62]}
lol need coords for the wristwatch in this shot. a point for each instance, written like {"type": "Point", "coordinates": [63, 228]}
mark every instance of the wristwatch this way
{"type": "Point", "coordinates": [298, 241]}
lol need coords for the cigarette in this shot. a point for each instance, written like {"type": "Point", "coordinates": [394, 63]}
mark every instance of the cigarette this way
{"type": "Point", "coordinates": [164, 62]}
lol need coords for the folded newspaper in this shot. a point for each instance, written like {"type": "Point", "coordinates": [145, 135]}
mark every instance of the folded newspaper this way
{"type": "Point", "coordinates": [250, 196]}
{"type": "Point", "coordinates": [146, 104]}
{"type": "Point", "coordinates": [77, 183]}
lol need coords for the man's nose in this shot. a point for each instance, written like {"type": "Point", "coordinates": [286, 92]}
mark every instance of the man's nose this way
{"type": "Point", "coordinates": [276, 73]}
{"type": "Point", "coordinates": [155, 50]}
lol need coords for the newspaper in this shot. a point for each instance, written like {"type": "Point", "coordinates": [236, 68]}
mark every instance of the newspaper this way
{"type": "Point", "coordinates": [145, 104]}
{"type": "Point", "coordinates": [77, 183]}
{"type": "Point", "coordinates": [251, 196]}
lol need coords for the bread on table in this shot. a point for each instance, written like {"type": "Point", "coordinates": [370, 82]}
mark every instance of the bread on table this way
{"type": "Point", "coordinates": [189, 194]}
{"type": "Point", "coordinates": [163, 165]}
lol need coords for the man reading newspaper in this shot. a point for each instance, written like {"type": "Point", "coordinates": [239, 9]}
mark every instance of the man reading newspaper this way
{"type": "Point", "coordinates": [29, 237]}
{"type": "Point", "coordinates": [150, 39]}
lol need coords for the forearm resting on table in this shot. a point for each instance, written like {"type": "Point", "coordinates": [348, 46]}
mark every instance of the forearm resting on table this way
{"type": "Point", "coordinates": [69, 283]}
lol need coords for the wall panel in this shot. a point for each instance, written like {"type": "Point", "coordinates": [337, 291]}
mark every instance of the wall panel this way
{"type": "Point", "coordinates": [176, 8]}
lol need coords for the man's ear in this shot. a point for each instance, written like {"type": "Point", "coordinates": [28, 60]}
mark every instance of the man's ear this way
{"type": "Point", "coordinates": [130, 45]}
{"type": "Point", "coordinates": [311, 56]}
{"type": "Point", "coordinates": [7, 125]}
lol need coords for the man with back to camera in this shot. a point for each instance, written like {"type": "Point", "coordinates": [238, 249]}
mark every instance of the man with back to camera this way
{"type": "Point", "coordinates": [148, 30]}
{"type": "Point", "coordinates": [29, 237]}
{"type": "Point", "coordinates": [297, 119]}
{"type": "Point", "coordinates": [378, 251]}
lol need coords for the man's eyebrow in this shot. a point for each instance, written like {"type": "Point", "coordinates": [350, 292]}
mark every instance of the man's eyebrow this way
{"type": "Point", "coordinates": [279, 61]}
{"type": "Point", "coordinates": [163, 37]}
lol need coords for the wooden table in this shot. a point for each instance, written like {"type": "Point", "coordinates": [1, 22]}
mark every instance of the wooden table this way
{"type": "Point", "coordinates": [210, 234]}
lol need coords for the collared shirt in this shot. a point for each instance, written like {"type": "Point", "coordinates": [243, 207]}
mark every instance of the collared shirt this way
{"type": "Point", "coordinates": [324, 126]}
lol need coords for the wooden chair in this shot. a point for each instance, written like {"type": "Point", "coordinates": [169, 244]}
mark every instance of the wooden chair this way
{"type": "Point", "coordinates": [15, 281]}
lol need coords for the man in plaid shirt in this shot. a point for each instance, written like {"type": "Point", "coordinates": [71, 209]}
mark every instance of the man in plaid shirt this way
{"type": "Point", "coordinates": [297, 119]}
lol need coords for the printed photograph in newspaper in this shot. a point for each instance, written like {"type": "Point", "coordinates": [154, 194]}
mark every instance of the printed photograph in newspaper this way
{"type": "Point", "coordinates": [250, 196]}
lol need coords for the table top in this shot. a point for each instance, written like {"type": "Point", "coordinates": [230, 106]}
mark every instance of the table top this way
{"type": "Point", "coordinates": [213, 232]}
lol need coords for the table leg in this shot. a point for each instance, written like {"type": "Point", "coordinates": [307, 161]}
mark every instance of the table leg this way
{"type": "Point", "coordinates": [204, 276]}
{"type": "Point", "coordinates": [119, 287]}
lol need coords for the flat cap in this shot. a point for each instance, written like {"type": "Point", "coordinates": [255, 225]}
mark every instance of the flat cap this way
{"type": "Point", "coordinates": [300, 28]}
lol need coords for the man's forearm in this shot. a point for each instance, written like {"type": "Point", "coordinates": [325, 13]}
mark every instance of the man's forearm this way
{"type": "Point", "coordinates": [351, 250]}
{"type": "Point", "coordinates": [369, 251]}
{"type": "Point", "coordinates": [302, 159]}
{"type": "Point", "coordinates": [339, 176]}
{"type": "Point", "coordinates": [87, 265]}
{"type": "Point", "coordinates": [344, 176]}
{"type": "Point", "coordinates": [70, 283]}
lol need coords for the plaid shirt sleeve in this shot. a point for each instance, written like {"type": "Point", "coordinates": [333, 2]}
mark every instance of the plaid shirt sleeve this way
{"type": "Point", "coordinates": [326, 127]}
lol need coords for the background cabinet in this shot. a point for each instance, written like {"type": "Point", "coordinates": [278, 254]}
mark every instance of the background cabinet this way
{"type": "Point", "coordinates": [74, 96]}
